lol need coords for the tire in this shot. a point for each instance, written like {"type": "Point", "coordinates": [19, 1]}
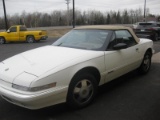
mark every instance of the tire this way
{"type": "Point", "coordinates": [30, 39]}
{"type": "Point", "coordinates": [2, 40]}
{"type": "Point", "coordinates": [82, 90]}
{"type": "Point", "coordinates": [146, 63]}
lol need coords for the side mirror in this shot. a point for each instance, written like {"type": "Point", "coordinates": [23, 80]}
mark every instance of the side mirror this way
{"type": "Point", "coordinates": [120, 46]}
{"type": "Point", "coordinates": [8, 31]}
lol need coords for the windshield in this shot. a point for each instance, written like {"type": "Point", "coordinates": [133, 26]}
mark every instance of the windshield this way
{"type": "Point", "coordinates": [85, 39]}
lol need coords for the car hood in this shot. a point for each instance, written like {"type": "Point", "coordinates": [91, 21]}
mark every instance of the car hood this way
{"type": "Point", "coordinates": [40, 60]}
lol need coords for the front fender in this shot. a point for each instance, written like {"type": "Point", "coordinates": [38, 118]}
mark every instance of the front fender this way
{"type": "Point", "coordinates": [97, 63]}
{"type": "Point", "coordinates": [4, 35]}
{"type": "Point", "coordinates": [64, 76]}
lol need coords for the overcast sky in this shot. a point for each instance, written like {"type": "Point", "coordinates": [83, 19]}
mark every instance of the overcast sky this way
{"type": "Point", "coordinates": [17, 6]}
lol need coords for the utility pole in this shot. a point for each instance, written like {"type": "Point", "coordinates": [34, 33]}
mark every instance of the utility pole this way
{"type": "Point", "coordinates": [67, 2]}
{"type": "Point", "coordinates": [5, 16]}
{"type": "Point", "coordinates": [144, 19]}
{"type": "Point", "coordinates": [73, 14]}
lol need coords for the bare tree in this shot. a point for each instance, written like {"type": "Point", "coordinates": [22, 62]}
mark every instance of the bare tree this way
{"type": "Point", "coordinates": [91, 17]}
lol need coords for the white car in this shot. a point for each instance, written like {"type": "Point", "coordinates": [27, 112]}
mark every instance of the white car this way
{"type": "Point", "coordinates": [73, 67]}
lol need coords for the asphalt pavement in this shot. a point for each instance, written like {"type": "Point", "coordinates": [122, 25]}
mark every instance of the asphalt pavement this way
{"type": "Point", "coordinates": [130, 97]}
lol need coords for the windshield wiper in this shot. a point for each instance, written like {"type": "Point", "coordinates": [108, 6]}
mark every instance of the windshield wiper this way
{"type": "Point", "coordinates": [59, 44]}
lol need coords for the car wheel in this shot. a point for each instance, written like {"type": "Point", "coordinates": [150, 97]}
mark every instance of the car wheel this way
{"type": "Point", "coordinates": [82, 90]}
{"type": "Point", "coordinates": [146, 63]}
{"type": "Point", "coordinates": [2, 40]}
{"type": "Point", "coordinates": [30, 39]}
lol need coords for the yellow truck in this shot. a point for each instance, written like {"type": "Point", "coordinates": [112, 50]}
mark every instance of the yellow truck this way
{"type": "Point", "coordinates": [20, 33]}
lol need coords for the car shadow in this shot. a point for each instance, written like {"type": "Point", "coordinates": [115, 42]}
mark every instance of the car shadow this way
{"type": "Point", "coordinates": [125, 79]}
{"type": "Point", "coordinates": [44, 41]}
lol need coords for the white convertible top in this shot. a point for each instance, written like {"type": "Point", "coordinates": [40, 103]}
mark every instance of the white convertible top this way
{"type": "Point", "coordinates": [110, 27]}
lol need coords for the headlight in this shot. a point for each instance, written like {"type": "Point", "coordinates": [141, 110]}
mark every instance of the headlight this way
{"type": "Point", "coordinates": [34, 89]}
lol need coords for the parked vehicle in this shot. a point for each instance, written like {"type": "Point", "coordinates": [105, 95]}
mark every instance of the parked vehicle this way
{"type": "Point", "coordinates": [149, 30]}
{"type": "Point", "coordinates": [20, 33]}
{"type": "Point", "coordinates": [73, 67]}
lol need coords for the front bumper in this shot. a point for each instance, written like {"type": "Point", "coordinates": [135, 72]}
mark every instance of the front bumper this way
{"type": "Point", "coordinates": [35, 100]}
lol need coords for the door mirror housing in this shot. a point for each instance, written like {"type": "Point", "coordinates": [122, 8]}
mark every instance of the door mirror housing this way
{"type": "Point", "coordinates": [8, 31]}
{"type": "Point", "coordinates": [120, 46]}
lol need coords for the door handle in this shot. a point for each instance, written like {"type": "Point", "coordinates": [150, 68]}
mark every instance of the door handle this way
{"type": "Point", "coordinates": [137, 49]}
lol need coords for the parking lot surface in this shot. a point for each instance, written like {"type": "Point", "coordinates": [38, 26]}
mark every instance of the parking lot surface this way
{"type": "Point", "coordinates": [130, 97]}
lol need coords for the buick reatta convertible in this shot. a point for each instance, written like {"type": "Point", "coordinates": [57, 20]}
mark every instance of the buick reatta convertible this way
{"type": "Point", "coordinates": [71, 69]}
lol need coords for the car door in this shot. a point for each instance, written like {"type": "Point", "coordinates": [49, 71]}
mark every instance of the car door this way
{"type": "Point", "coordinates": [121, 61]}
{"type": "Point", "coordinates": [22, 31]}
{"type": "Point", "coordinates": [13, 34]}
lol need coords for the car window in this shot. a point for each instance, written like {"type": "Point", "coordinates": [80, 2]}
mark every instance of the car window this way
{"type": "Point", "coordinates": [23, 28]}
{"type": "Point", "coordinates": [13, 29]}
{"type": "Point", "coordinates": [121, 36]}
{"type": "Point", "coordinates": [145, 25]}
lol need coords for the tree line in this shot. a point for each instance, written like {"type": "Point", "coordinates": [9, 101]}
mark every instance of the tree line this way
{"type": "Point", "coordinates": [64, 17]}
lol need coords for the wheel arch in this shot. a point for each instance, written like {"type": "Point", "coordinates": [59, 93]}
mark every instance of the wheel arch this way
{"type": "Point", "coordinates": [29, 35]}
{"type": "Point", "coordinates": [3, 38]}
{"type": "Point", "coordinates": [87, 72]}
{"type": "Point", "coordinates": [91, 70]}
{"type": "Point", "coordinates": [149, 50]}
